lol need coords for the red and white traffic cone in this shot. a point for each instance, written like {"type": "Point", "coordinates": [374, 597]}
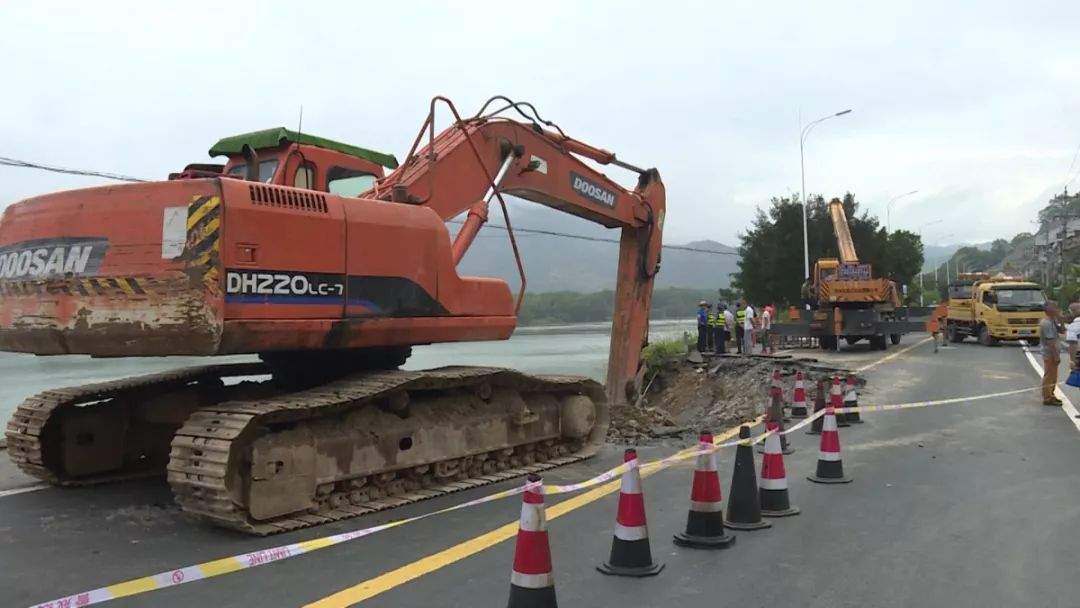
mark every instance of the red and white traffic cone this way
{"type": "Point", "coordinates": [798, 397]}
{"type": "Point", "coordinates": [775, 386]}
{"type": "Point", "coordinates": [836, 401]}
{"type": "Point", "coordinates": [830, 468]}
{"type": "Point", "coordinates": [705, 522]}
{"type": "Point", "coordinates": [819, 405]}
{"type": "Point", "coordinates": [630, 552]}
{"type": "Point", "coordinates": [532, 585]}
{"type": "Point", "coordinates": [773, 484]}
{"type": "Point", "coordinates": [775, 413]}
{"type": "Point", "coordinates": [851, 399]}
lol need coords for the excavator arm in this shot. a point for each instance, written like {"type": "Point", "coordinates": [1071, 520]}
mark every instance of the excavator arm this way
{"type": "Point", "coordinates": [478, 159]}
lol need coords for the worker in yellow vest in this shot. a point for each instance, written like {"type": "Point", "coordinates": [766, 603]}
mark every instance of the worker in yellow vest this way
{"type": "Point", "coordinates": [740, 325]}
{"type": "Point", "coordinates": [716, 324]}
{"type": "Point", "coordinates": [710, 333]}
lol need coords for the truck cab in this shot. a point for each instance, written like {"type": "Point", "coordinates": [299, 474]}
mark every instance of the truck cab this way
{"type": "Point", "coordinates": [993, 309]}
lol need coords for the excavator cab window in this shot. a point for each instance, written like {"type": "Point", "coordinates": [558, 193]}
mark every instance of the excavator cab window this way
{"type": "Point", "coordinates": [304, 176]}
{"type": "Point", "coordinates": [348, 182]}
{"type": "Point", "coordinates": [267, 168]}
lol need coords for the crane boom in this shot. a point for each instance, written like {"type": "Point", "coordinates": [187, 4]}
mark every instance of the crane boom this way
{"type": "Point", "coordinates": [843, 234]}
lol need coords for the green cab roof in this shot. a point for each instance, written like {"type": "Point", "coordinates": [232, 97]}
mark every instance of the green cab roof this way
{"type": "Point", "coordinates": [272, 138]}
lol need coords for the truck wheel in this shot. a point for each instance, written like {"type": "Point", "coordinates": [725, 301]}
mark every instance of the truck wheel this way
{"type": "Point", "coordinates": [985, 338]}
{"type": "Point", "coordinates": [894, 338]}
{"type": "Point", "coordinates": [878, 342]}
{"type": "Point", "coordinates": [954, 335]}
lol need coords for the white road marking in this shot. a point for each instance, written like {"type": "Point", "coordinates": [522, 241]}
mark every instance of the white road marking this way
{"type": "Point", "coordinates": [23, 490]}
{"type": "Point", "coordinates": [1067, 405]}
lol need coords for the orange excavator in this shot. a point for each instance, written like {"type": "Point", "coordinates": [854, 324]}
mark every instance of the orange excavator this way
{"type": "Point", "coordinates": [274, 253]}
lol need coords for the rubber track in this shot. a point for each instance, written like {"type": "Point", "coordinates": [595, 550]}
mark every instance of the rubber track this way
{"type": "Point", "coordinates": [206, 448]}
{"type": "Point", "coordinates": [27, 422]}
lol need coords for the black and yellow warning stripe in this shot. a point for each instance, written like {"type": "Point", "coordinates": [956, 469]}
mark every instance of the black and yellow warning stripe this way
{"type": "Point", "coordinates": [203, 227]}
{"type": "Point", "coordinates": [96, 286]}
{"type": "Point", "coordinates": [203, 237]}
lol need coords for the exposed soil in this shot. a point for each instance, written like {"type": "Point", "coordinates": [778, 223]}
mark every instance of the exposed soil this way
{"type": "Point", "coordinates": [685, 397]}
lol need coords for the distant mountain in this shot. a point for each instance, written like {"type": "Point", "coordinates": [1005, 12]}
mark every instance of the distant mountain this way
{"type": "Point", "coordinates": [934, 255]}
{"type": "Point", "coordinates": [555, 263]}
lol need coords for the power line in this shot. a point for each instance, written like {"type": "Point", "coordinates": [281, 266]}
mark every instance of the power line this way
{"type": "Point", "coordinates": [14, 162]}
{"type": "Point", "coordinates": [599, 239]}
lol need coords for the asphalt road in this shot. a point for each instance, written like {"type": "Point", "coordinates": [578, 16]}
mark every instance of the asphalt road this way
{"type": "Point", "coordinates": [959, 505]}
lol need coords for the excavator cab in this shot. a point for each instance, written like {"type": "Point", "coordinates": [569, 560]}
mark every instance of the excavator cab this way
{"type": "Point", "coordinates": [287, 158]}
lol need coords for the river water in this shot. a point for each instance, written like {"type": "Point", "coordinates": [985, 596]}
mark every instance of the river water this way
{"type": "Point", "coordinates": [567, 349]}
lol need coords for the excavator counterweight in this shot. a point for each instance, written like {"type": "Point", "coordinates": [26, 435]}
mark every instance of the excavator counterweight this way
{"type": "Point", "coordinates": [301, 250]}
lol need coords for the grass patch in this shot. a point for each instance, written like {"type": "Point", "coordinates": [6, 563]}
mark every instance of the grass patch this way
{"type": "Point", "coordinates": [664, 353]}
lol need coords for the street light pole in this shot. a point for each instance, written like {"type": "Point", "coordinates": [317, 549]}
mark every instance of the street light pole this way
{"type": "Point", "coordinates": [805, 131]}
{"type": "Point", "coordinates": [888, 209]}
{"type": "Point", "coordinates": [921, 226]}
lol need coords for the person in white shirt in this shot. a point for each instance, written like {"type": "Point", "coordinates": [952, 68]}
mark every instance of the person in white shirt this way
{"type": "Point", "coordinates": [748, 330]}
{"type": "Point", "coordinates": [729, 323]}
{"type": "Point", "coordinates": [1072, 335]}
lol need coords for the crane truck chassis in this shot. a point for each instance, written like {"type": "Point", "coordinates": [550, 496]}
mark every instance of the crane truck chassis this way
{"type": "Point", "coordinates": [331, 292]}
{"type": "Point", "coordinates": [850, 303]}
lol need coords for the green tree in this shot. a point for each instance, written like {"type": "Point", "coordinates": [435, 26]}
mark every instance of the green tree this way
{"type": "Point", "coordinates": [903, 257]}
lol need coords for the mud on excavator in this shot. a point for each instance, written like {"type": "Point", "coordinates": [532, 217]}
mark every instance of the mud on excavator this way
{"type": "Point", "coordinates": [276, 252]}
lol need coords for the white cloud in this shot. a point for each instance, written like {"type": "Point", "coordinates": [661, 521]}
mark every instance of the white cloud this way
{"type": "Point", "coordinates": [974, 108]}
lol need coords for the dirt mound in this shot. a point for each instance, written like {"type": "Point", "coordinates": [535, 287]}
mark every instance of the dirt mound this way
{"type": "Point", "coordinates": [716, 394]}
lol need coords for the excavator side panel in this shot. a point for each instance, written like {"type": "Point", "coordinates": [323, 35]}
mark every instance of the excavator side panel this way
{"type": "Point", "coordinates": [283, 253]}
{"type": "Point", "coordinates": [121, 270]}
{"type": "Point", "coordinates": [331, 272]}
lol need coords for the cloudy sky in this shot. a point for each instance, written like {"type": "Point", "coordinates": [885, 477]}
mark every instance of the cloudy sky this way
{"type": "Point", "coordinates": [974, 105]}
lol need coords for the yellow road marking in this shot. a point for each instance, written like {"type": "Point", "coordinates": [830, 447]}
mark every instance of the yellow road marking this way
{"type": "Point", "coordinates": [892, 356]}
{"type": "Point", "coordinates": [394, 578]}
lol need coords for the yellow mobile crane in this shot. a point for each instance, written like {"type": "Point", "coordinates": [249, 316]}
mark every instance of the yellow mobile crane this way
{"type": "Point", "coordinates": [851, 303]}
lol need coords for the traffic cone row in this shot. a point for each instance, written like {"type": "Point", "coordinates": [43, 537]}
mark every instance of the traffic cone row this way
{"type": "Point", "coordinates": [751, 499]}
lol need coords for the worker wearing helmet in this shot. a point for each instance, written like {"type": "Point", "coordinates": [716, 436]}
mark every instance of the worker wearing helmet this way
{"type": "Point", "coordinates": [702, 325]}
